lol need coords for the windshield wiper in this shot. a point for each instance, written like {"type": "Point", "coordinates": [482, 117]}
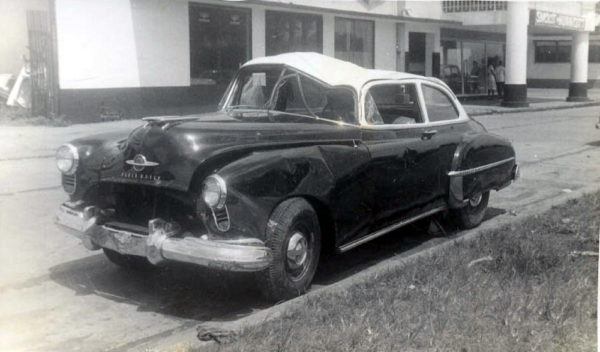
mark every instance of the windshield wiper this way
{"type": "Point", "coordinates": [241, 106]}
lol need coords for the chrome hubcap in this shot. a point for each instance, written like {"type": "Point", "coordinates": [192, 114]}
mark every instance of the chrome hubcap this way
{"type": "Point", "coordinates": [475, 200]}
{"type": "Point", "coordinates": [297, 251]}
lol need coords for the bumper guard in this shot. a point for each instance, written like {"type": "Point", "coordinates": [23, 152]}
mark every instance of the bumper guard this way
{"type": "Point", "coordinates": [163, 242]}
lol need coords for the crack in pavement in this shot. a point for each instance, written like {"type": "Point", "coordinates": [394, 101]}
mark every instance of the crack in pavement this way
{"type": "Point", "coordinates": [43, 156]}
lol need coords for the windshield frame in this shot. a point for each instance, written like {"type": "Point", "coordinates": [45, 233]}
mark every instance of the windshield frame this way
{"type": "Point", "coordinates": [286, 73]}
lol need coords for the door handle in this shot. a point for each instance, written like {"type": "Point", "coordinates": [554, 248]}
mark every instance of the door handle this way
{"type": "Point", "coordinates": [428, 134]}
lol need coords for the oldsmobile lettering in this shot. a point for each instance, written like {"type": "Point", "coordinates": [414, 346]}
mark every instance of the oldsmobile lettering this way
{"type": "Point", "coordinates": [136, 176]}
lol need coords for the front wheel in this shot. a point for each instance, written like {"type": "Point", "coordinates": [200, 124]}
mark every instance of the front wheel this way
{"type": "Point", "coordinates": [294, 237]}
{"type": "Point", "coordinates": [472, 214]}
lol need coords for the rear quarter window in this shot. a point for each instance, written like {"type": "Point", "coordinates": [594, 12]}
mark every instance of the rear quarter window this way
{"type": "Point", "coordinates": [438, 104]}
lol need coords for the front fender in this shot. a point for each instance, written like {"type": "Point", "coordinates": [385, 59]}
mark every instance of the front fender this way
{"type": "Point", "coordinates": [481, 162]}
{"type": "Point", "coordinates": [258, 182]}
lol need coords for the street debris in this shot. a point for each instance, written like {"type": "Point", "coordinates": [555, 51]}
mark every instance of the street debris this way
{"type": "Point", "coordinates": [480, 260]}
{"type": "Point", "coordinates": [583, 254]}
{"type": "Point", "coordinates": [20, 94]}
{"type": "Point", "coordinates": [214, 333]}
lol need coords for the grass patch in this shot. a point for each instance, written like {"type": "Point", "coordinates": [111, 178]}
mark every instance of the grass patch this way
{"type": "Point", "coordinates": [531, 286]}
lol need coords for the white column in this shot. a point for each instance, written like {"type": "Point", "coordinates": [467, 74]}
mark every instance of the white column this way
{"type": "Point", "coordinates": [401, 46]}
{"type": "Point", "coordinates": [517, 20]}
{"type": "Point", "coordinates": [385, 48]}
{"type": "Point", "coordinates": [579, 66]}
{"type": "Point", "coordinates": [328, 35]}
{"type": "Point", "coordinates": [579, 57]}
{"type": "Point", "coordinates": [258, 32]}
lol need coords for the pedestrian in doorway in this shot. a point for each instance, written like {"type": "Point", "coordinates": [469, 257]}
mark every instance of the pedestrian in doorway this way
{"type": "Point", "coordinates": [500, 76]}
{"type": "Point", "coordinates": [491, 80]}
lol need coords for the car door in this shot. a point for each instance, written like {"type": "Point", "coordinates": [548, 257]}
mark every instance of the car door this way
{"type": "Point", "coordinates": [402, 161]}
{"type": "Point", "coordinates": [446, 117]}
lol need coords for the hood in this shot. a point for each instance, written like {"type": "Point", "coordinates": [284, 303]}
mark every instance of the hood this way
{"type": "Point", "coordinates": [169, 152]}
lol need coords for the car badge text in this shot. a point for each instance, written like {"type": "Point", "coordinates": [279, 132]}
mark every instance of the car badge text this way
{"type": "Point", "coordinates": [139, 162]}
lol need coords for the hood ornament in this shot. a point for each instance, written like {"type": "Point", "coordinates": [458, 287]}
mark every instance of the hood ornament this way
{"type": "Point", "coordinates": [139, 162]}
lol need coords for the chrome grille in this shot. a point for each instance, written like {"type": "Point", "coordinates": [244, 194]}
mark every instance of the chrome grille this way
{"type": "Point", "coordinates": [69, 184]}
{"type": "Point", "coordinates": [221, 217]}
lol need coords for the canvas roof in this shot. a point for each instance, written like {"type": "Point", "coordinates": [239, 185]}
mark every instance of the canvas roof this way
{"type": "Point", "coordinates": [332, 71]}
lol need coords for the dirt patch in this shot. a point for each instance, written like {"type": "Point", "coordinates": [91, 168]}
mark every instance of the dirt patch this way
{"type": "Point", "coordinates": [16, 116]}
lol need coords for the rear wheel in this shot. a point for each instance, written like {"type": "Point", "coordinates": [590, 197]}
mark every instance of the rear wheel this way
{"type": "Point", "coordinates": [130, 262]}
{"type": "Point", "coordinates": [472, 214]}
{"type": "Point", "coordinates": [294, 237]}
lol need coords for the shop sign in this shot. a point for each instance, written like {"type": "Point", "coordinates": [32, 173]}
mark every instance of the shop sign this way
{"type": "Point", "coordinates": [556, 20]}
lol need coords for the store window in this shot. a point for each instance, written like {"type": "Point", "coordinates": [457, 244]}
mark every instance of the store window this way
{"type": "Point", "coordinates": [552, 51]}
{"type": "Point", "coordinates": [465, 64]}
{"type": "Point", "coordinates": [595, 51]}
{"type": "Point", "coordinates": [219, 43]}
{"type": "Point", "coordinates": [354, 41]}
{"type": "Point", "coordinates": [288, 32]}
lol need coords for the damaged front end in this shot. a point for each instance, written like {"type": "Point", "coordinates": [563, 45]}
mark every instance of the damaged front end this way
{"type": "Point", "coordinates": [160, 240]}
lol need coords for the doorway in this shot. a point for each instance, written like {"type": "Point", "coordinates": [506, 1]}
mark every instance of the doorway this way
{"type": "Point", "coordinates": [415, 62]}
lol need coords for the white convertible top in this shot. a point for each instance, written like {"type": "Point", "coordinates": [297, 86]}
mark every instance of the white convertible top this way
{"type": "Point", "coordinates": [332, 71]}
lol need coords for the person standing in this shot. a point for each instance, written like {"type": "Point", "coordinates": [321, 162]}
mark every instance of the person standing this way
{"type": "Point", "coordinates": [500, 77]}
{"type": "Point", "coordinates": [491, 80]}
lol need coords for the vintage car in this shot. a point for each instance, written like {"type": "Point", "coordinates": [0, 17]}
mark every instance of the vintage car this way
{"type": "Point", "coordinates": [305, 153]}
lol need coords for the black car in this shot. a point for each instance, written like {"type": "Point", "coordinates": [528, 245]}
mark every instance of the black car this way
{"type": "Point", "coordinates": [304, 152]}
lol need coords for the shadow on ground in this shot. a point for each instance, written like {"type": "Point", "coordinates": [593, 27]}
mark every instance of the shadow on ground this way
{"type": "Point", "coordinates": [195, 293]}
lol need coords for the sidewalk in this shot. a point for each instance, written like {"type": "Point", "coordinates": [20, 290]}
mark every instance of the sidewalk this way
{"type": "Point", "coordinates": [540, 99]}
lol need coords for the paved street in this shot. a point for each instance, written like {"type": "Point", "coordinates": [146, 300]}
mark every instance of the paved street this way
{"type": "Point", "coordinates": [55, 295]}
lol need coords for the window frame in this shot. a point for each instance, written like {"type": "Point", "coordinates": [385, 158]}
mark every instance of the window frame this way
{"type": "Point", "coordinates": [556, 44]}
{"type": "Point", "coordinates": [450, 98]}
{"type": "Point", "coordinates": [291, 15]}
{"type": "Point", "coordinates": [462, 115]}
{"type": "Point", "coordinates": [248, 37]}
{"type": "Point", "coordinates": [336, 18]}
{"type": "Point", "coordinates": [286, 72]}
{"type": "Point", "coordinates": [290, 71]}
{"type": "Point", "coordinates": [390, 83]}
{"type": "Point", "coordinates": [594, 43]}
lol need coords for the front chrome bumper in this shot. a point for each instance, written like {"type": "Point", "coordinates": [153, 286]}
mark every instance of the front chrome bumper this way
{"type": "Point", "coordinates": [163, 242]}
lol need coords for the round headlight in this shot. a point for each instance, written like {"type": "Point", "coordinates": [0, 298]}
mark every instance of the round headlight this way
{"type": "Point", "coordinates": [67, 159]}
{"type": "Point", "coordinates": [214, 191]}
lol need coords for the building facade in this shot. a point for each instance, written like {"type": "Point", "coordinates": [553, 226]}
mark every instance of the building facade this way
{"type": "Point", "coordinates": [133, 58]}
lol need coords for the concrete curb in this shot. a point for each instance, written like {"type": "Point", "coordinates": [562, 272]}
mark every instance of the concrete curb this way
{"type": "Point", "coordinates": [532, 109]}
{"type": "Point", "coordinates": [187, 339]}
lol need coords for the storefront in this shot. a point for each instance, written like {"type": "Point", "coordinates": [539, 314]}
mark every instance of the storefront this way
{"type": "Point", "coordinates": [465, 58]}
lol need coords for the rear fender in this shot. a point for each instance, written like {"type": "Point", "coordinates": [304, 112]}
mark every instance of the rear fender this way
{"type": "Point", "coordinates": [481, 162]}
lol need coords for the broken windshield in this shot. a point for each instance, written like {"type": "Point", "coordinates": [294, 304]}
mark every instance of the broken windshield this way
{"type": "Point", "coordinates": [253, 88]}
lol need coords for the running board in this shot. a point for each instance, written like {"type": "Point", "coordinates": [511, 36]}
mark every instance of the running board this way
{"type": "Point", "coordinates": [350, 245]}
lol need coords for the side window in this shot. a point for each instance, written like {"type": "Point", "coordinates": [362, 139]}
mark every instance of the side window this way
{"type": "Point", "coordinates": [335, 104]}
{"type": "Point", "coordinates": [439, 106]}
{"type": "Point", "coordinates": [288, 97]}
{"type": "Point", "coordinates": [393, 104]}
{"type": "Point", "coordinates": [302, 95]}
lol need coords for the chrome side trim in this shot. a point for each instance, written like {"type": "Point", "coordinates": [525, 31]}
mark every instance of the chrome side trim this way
{"type": "Point", "coordinates": [374, 235]}
{"type": "Point", "coordinates": [479, 168]}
